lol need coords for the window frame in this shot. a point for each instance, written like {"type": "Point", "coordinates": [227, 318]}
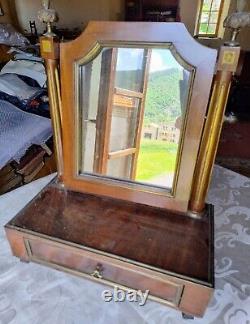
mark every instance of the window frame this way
{"type": "Point", "coordinates": [209, 35]}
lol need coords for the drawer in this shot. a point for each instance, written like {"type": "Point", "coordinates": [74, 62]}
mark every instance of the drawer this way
{"type": "Point", "coordinates": [104, 268]}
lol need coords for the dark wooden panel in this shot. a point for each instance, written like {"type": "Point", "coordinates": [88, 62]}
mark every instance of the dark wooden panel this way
{"type": "Point", "coordinates": [137, 232]}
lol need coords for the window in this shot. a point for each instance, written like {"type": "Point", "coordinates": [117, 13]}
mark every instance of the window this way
{"type": "Point", "coordinates": [209, 17]}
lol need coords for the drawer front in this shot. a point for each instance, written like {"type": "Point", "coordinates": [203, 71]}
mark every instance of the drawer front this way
{"type": "Point", "coordinates": [106, 269]}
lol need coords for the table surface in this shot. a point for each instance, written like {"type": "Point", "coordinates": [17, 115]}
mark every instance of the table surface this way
{"type": "Point", "coordinates": [31, 293]}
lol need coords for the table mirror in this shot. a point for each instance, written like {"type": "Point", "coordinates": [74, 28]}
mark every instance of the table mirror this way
{"type": "Point", "coordinates": [135, 113]}
{"type": "Point", "coordinates": [135, 137]}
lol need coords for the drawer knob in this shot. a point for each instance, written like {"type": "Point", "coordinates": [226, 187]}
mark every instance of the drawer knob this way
{"type": "Point", "coordinates": [98, 272]}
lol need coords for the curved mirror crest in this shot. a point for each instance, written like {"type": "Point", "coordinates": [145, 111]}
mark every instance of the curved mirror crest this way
{"type": "Point", "coordinates": [132, 104]}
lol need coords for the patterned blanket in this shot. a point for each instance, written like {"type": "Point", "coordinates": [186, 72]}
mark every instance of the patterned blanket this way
{"type": "Point", "coordinates": [19, 130]}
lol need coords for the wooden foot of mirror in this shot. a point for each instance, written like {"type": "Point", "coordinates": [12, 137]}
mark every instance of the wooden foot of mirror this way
{"type": "Point", "coordinates": [134, 160]}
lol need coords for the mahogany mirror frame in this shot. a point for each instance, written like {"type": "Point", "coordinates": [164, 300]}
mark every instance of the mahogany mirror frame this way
{"type": "Point", "coordinates": [202, 59]}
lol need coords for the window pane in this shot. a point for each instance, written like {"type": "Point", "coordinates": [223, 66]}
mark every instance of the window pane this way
{"type": "Point", "coordinates": [206, 5]}
{"type": "Point", "coordinates": [214, 17]}
{"type": "Point", "coordinates": [123, 123]}
{"type": "Point", "coordinates": [120, 167]}
{"type": "Point", "coordinates": [211, 29]}
{"type": "Point", "coordinates": [165, 105]}
{"type": "Point", "coordinates": [129, 70]}
{"type": "Point", "coordinates": [216, 5]}
{"type": "Point", "coordinates": [203, 28]}
{"type": "Point", "coordinates": [204, 18]}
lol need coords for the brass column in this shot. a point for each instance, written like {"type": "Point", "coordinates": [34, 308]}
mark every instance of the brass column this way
{"type": "Point", "coordinates": [50, 52]}
{"type": "Point", "coordinates": [227, 64]}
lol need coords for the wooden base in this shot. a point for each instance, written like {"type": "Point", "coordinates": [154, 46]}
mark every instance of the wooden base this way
{"type": "Point", "coordinates": [121, 244]}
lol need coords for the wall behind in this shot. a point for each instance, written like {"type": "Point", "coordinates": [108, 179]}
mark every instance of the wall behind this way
{"type": "Point", "coordinates": [76, 13]}
{"type": "Point", "coordinates": [188, 13]}
{"type": "Point", "coordinates": [9, 13]}
{"type": "Point", "coordinates": [73, 13]}
{"type": "Point", "coordinates": [79, 12]}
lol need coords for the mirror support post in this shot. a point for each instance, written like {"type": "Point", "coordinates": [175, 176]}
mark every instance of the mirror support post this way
{"type": "Point", "coordinates": [49, 44]}
{"type": "Point", "coordinates": [50, 53]}
{"type": "Point", "coordinates": [226, 67]}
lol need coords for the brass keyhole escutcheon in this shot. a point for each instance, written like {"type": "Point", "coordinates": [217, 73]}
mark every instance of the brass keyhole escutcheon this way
{"type": "Point", "coordinates": [98, 272]}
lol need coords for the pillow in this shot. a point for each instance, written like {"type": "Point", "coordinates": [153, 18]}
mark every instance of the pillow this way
{"type": "Point", "coordinates": [9, 36]}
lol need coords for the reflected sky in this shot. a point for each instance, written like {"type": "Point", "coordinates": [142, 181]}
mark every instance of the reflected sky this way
{"type": "Point", "coordinates": [131, 59]}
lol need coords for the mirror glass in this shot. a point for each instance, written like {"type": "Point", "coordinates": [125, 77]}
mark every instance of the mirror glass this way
{"type": "Point", "coordinates": [132, 104]}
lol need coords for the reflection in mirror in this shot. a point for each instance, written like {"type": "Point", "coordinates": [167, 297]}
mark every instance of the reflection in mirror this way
{"type": "Point", "coordinates": [132, 106]}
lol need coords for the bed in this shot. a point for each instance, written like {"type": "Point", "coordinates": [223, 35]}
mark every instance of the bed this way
{"type": "Point", "coordinates": [26, 152]}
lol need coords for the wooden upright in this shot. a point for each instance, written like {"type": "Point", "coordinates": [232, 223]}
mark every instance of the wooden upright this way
{"type": "Point", "coordinates": [50, 53]}
{"type": "Point", "coordinates": [49, 47]}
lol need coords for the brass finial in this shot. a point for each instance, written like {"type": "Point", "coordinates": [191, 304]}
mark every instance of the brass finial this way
{"type": "Point", "coordinates": [236, 21]}
{"type": "Point", "coordinates": [47, 16]}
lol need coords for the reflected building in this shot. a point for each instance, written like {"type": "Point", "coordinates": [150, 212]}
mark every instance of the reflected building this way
{"type": "Point", "coordinates": [166, 132]}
